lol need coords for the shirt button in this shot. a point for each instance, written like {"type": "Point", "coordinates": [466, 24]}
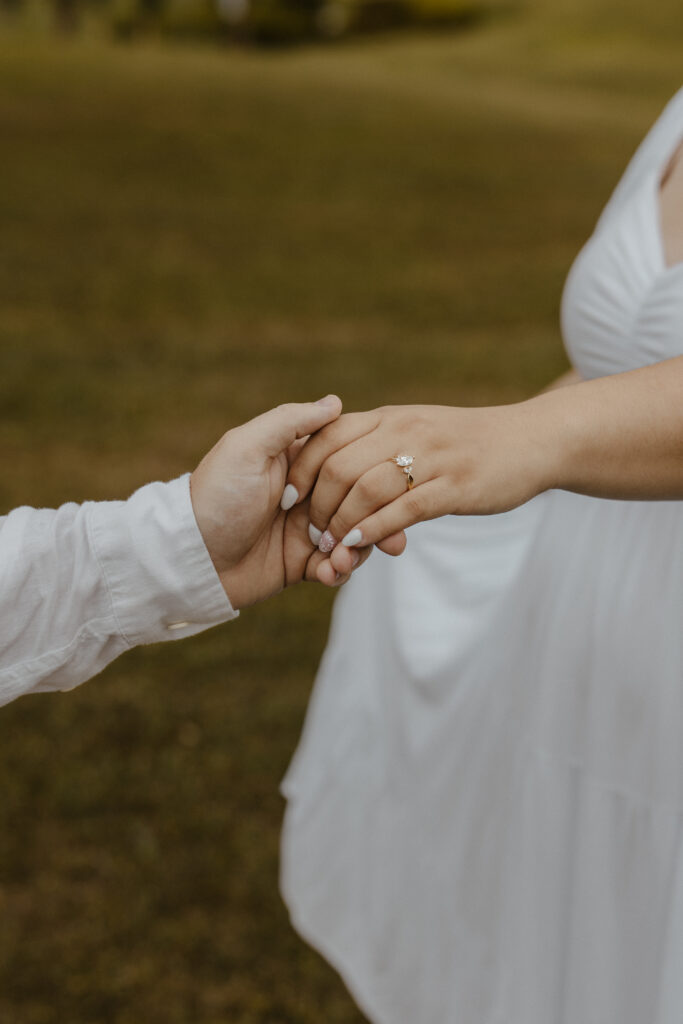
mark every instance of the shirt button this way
{"type": "Point", "coordinates": [178, 625]}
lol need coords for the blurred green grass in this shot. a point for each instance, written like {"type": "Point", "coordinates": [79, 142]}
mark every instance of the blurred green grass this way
{"type": "Point", "coordinates": [187, 237]}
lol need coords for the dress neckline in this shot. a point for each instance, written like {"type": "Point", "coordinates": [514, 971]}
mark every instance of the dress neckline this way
{"type": "Point", "coordinates": [654, 189]}
{"type": "Point", "coordinates": [658, 180]}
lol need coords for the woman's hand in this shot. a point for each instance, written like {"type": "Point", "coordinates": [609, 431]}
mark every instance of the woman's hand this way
{"type": "Point", "coordinates": [616, 437]}
{"type": "Point", "coordinates": [466, 462]}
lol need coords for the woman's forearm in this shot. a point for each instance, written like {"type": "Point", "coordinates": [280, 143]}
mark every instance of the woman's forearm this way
{"type": "Point", "coordinates": [615, 437]}
{"type": "Point", "coordinates": [570, 377]}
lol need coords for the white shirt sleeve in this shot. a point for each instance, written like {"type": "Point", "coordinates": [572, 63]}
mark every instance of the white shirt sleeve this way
{"type": "Point", "coordinates": [82, 583]}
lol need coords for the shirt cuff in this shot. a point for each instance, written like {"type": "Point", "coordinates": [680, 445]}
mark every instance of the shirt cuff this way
{"type": "Point", "coordinates": [161, 580]}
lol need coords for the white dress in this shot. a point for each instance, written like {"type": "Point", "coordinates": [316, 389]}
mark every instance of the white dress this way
{"type": "Point", "coordinates": [485, 814]}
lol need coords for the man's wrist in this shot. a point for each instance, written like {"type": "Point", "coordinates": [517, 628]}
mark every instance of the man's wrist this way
{"type": "Point", "coordinates": [160, 578]}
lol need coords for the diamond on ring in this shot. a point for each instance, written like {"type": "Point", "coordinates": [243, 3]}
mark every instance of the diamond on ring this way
{"type": "Point", "coordinates": [405, 462]}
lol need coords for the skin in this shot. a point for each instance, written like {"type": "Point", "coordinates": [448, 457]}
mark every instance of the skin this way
{"type": "Point", "coordinates": [256, 547]}
{"type": "Point", "coordinates": [615, 437]}
{"type": "Point", "coordinates": [671, 209]}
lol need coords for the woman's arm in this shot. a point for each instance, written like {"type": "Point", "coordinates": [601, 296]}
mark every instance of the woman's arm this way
{"type": "Point", "coordinates": [570, 377]}
{"type": "Point", "coordinates": [615, 437]}
{"type": "Point", "coordinates": [619, 436]}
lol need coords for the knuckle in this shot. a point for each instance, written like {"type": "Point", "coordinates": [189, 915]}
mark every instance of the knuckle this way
{"type": "Point", "coordinates": [415, 507]}
{"type": "Point", "coordinates": [358, 420]}
{"type": "Point", "coordinates": [316, 516]}
{"type": "Point", "coordinates": [332, 473]}
{"type": "Point", "coordinates": [417, 418]}
{"type": "Point", "coordinates": [340, 526]}
{"type": "Point", "coordinates": [365, 491]}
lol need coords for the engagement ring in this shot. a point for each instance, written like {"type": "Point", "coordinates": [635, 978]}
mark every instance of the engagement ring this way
{"type": "Point", "coordinates": [405, 462]}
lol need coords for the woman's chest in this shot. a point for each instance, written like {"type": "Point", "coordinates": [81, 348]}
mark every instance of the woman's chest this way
{"type": "Point", "coordinates": [622, 305]}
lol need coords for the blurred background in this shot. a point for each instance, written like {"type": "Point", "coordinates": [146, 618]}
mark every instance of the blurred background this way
{"type": "Point", "coordinates": [208, 207]}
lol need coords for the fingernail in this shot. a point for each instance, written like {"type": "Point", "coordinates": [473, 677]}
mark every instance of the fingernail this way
{"type": "Point", "coordinates": [353, 539]}
{"type": "Point", "coordinates": [327, 543]}
{"type": "Point", "coordinates": [315, 534]}
{"type": "Point", "coordinates": [328, 400]}
{"type": "Point", "coordinates": [290, 496]}
{"type": "Point", "coordinates": [355, 559]}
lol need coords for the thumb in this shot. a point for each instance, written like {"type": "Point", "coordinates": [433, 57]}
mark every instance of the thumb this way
{"type": "Point", "coordinates": [277, 429]}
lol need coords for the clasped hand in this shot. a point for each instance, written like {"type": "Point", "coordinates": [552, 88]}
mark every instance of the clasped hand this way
{"type": "Point", "coordinates": [467, 461]}
{"type": "Point", "coordinates": [256, 546]}
{"type": "Point", "coordinates": [302, 475]}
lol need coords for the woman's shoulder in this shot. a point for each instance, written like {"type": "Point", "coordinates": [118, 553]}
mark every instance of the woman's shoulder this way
{"type": "Point", "coordinates": [652, 154]}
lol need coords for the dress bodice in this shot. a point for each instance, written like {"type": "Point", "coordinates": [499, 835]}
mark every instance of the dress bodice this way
{"type": "Point", "coordinates": [622, 305]}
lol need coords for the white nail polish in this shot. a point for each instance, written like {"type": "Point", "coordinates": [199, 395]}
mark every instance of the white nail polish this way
{"type": "Point", "coordinates": [290, 496]}
{"type": "Point", "coordinates": [352, 539]}
{"type": "Point", "coordinates": [315, 534]}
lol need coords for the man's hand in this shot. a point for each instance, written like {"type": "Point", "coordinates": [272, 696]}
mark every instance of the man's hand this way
{"type": "Point", "coordinates": [236, 492]}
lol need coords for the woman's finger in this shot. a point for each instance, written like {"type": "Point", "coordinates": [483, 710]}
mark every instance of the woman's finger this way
{"type": "Point", "coordinates": [377, 487]}
{"type": "Point", "coordinates": [423, 502]}
{"type": "Point", "coordinates": [304, 561]}
{"type": "Point", "coordinates": [340, 474]}
{"type": "Point", "coordinates": [304, 471]}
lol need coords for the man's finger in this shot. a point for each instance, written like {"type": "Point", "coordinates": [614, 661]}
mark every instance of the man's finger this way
{"type": "Point", "coordinates": [349, 428]}
{"type": "Point", "coordinates": [339, 581]}
{"type": "Point", "coordinates": [328, 576]}
{"type": "Point", "coordinates": [277, 429]}
{"type": "Point", "coordinates": [347, 560]}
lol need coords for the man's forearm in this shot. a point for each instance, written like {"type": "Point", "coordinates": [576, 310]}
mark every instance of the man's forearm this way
{"type": "Point", "coordinates": [83, 583]}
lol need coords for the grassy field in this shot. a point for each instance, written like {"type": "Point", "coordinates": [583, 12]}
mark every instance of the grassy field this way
{"type": "Point", "coordinates": [187, 237]}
